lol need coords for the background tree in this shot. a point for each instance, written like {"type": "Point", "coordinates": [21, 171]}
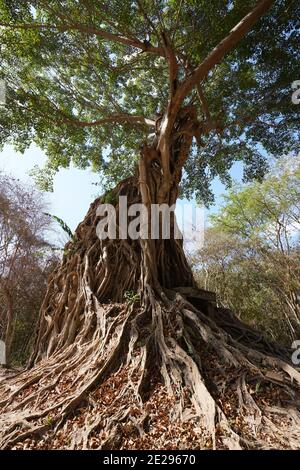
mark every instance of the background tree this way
{"type": "Point", "coordinates": [141, 90]}
{"type": "Point", "coordinates": [24, 264]}
{"type": "Point", "coordinates": [251, 254]}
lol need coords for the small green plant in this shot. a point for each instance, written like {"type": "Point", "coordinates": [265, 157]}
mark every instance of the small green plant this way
{"type": "Point", "coordinates": [68, 231]}
{"type": "Point", "coordinates": [141, 343]}
{"type": "Point", "coordinates": [63, 225]}
{"type": "Point", "coordinates": [48, 421]}
{"type": "Point", "coordinates": [131, 296]}
{"type": "Point", "coordinates": [110, 198]}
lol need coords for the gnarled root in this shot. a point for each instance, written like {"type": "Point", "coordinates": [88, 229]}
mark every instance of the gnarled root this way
{"type": "Point", "coordinates": [159, 367]}
{"type": "Point", "coordinates": [148, 376]}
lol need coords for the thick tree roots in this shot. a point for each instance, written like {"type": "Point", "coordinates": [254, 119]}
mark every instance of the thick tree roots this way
{"type": "Point", "coordinates": [164, 377]}
{"type": "Point", "coordinates": [123, 363]}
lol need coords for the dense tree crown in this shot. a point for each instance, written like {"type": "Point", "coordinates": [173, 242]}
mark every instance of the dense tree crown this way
{"type": "Point", "coordinates": [87, 81]}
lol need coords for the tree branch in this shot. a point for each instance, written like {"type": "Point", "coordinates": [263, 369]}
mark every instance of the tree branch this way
{"type": "Point", "coordinates": [175, 102]}
{"type": "Point", "coordinates": [177, 20]}
{"type": "Point", "coordinates": [226, 45]}
{"type": "Point", "coordinates": [147, 19]}
{"type": "Point", "coordinates": [204, 103]}
{"type": "Point", "coordinates": [133, 42]}
{"type": "Point", "coordinates": [118, 118]}
{"type": "Point", "coordinates": [173, 65]}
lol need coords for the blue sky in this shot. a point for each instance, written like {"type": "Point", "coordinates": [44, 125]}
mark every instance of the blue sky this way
{"type": "Point", "coordinates": [73, 188]}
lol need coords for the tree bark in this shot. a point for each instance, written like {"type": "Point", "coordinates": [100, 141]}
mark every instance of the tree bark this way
{"type": "Point", "coordinates": [128, 311]}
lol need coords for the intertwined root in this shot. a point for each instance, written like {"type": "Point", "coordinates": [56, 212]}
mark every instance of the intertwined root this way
{"type": "Point", "coordinates": [137, 373]}
{"type": "Point", "coordinates": [160, 370]}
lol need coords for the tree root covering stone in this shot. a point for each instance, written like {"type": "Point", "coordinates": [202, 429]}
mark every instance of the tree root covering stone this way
{"type": "Point", "coordinates": [204, 390]}
{"type": "Point", "coordinates": [162, 370]}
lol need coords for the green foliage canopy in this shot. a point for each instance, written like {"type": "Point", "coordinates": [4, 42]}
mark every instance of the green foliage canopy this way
{"type": "Point", "coordinates": [84, 77]}
{"type": "Point", "coordinates": [267, 211]}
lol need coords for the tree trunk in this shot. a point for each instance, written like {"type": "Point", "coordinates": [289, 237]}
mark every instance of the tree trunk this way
{"type": "Point", "coordinates": [123, 325]}
{"type": "Point", "coordinates": [112, 268]}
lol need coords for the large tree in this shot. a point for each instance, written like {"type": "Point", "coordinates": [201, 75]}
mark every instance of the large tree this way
{"type": "Point", "coordinates": [159, 97]}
